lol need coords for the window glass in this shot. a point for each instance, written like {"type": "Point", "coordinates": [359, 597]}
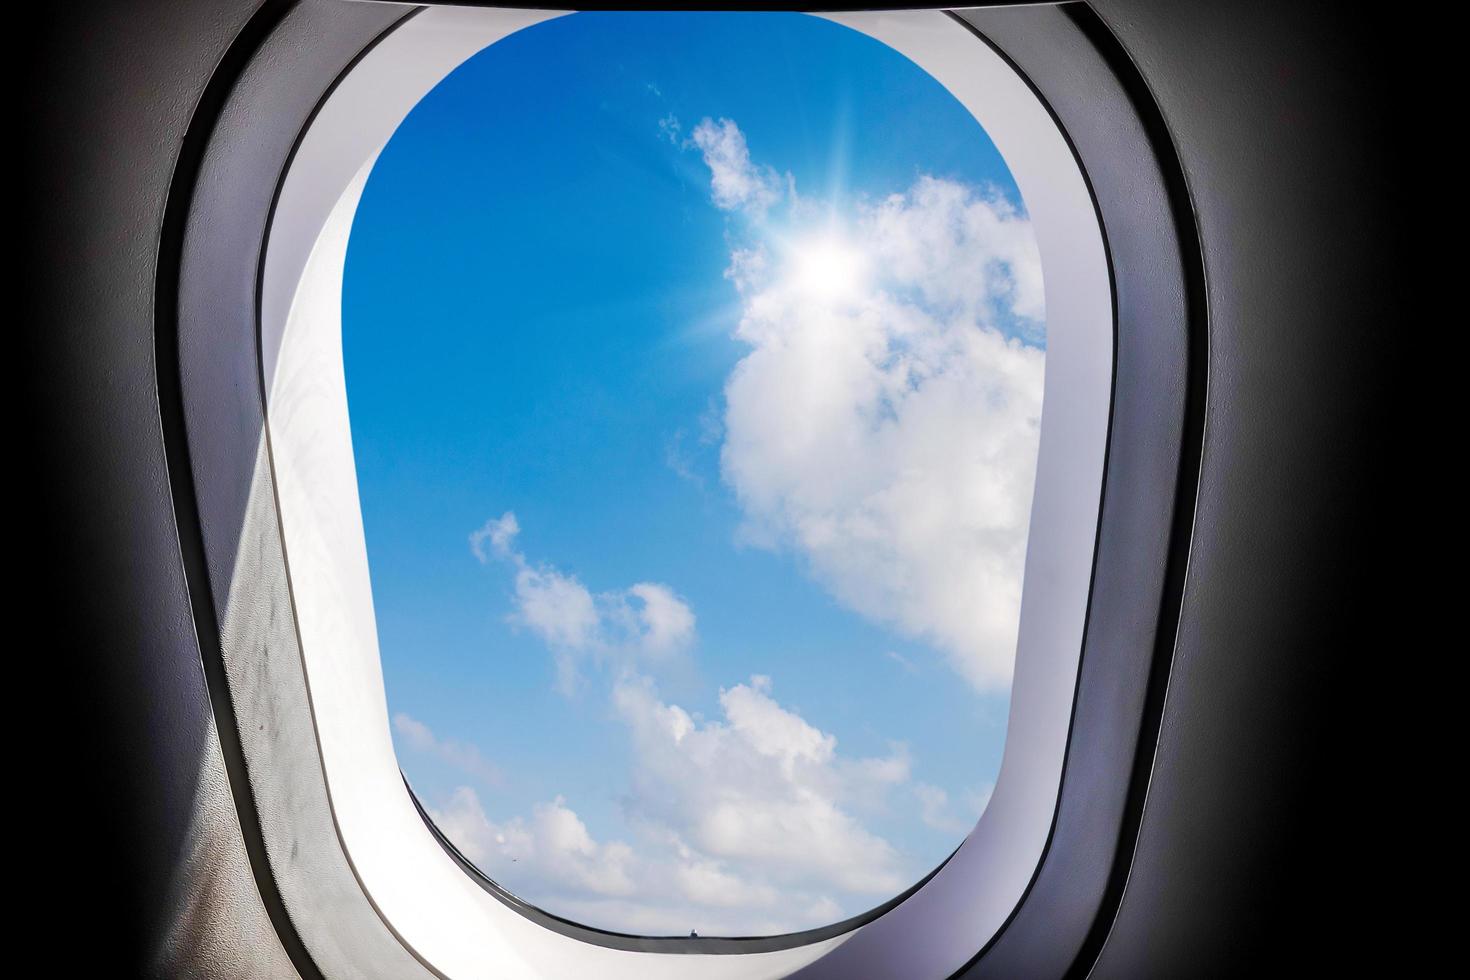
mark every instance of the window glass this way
{"type": "Point", "coordinates": [694, 363]}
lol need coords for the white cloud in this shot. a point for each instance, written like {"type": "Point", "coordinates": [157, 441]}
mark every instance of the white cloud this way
{"type": "Point", "coordinates": [966, 253]}
{"type": "Point", "coordinates": [644, 623]}
{"type": "Point", "coordinates": [662, 888]}
{"type": "Point", "coordinates": [736, 184]}
{"type": "Point", "coordinates": [884, 422]}
{"type": "Point", "coordinates": [553, 847]}
{"type": "Point", "coordinates": [666, 622]}
{"type": "Point", "coordinates": [562, 613]}
{"type": "Point", "coordinates": [556, 607]}
{"type": "Point", "coordinates": [499, 533]}
{"type": "Point", "coordinates": [461, 755]}
{"type": "Point", "coordinates": [744, 826]}
{"type": "Point", "coordinates": [748, 266]}
{"type": "Point", "coordinates": [763, 790]}
{"type": "Point", "coordinates": [883, 425]}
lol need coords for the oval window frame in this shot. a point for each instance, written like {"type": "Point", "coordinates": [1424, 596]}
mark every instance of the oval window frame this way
{"type": "Point", "coordinates": [464, 930]}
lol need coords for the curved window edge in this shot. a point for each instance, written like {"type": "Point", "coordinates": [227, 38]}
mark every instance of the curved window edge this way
{"type": "Point", "coordinates": [303, 279]}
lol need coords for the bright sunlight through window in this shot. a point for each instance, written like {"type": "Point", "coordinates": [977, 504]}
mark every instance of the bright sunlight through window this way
{"type": "Point", "coordinates": [695, 368]}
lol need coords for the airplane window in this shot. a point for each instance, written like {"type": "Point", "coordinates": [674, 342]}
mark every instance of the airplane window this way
{"type": "Point", "coordinates": [695, 372]}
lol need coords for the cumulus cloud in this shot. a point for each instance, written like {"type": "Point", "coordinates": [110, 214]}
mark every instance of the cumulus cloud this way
{"type": "Point", "coordinates": [551, 859]}
{"type": "Point", "coordinates": [646, 622]}
{"type": "Point", "coordinates": [735, 182]}
{"type": "Point", "coordinates": [460, 755]}
{"type": "Point", "coordinates": [745, 825]}
{"type": "Point", "coordinates": [654, 890]}
{"type": "Point", "coordinates": [884, 421]}
{"type": "Point", "coordinates": [762, 789]}
{"type": "Point", "coordinates": [557, 608]}
{"type": "Point", "coordinates": [553, 844]}
{"type": "Point", "coordinates": [665, 623]}
{"type": "Point", "coordinates": [959, 251]}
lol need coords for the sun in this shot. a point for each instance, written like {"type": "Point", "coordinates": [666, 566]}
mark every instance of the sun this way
{"type": "Point", "coordinates": [829, 268]}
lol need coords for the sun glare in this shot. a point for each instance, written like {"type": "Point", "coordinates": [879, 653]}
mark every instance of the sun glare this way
{"type": "Point", "coordinates": [828, 268]}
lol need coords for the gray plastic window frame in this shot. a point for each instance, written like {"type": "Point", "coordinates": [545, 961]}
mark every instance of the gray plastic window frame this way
{"type": "Point", "coordinates": [454, 925]}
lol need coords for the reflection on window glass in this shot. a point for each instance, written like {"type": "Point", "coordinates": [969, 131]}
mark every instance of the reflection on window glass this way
{"type": "Point", "coordinates": [695, 371]}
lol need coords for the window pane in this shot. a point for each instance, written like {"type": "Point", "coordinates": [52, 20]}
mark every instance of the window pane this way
{"type": "Point", "coordinates": [695, 371]}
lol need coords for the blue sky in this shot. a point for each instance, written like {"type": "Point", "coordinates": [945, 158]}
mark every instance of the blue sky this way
{"type": "Point", "coordinates": [694, 369]}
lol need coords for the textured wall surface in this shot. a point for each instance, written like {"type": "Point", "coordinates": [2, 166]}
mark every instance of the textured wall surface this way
{"type": "Point", "coordinates": [1258, 843]}
{"type": "Point", "coordinates": [150, 814]}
